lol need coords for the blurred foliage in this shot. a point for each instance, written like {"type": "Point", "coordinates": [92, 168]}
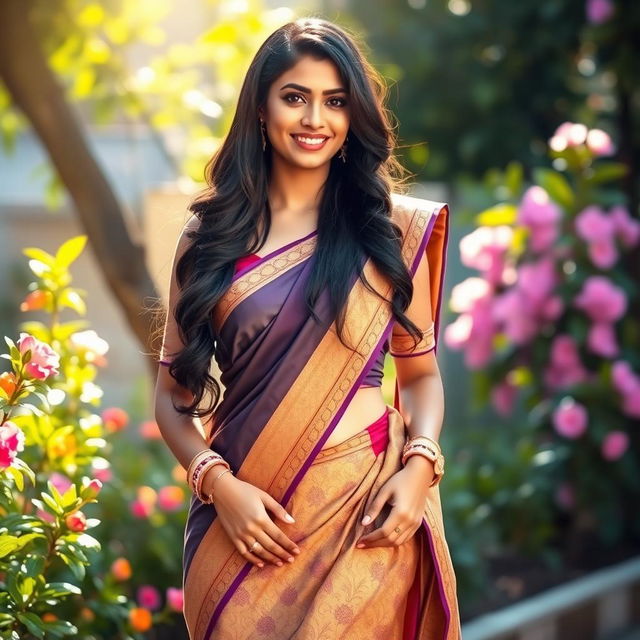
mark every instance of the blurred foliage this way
{"type": "Point", "coordinates": [482, 84]}
{"type": "Point", "coordinates": [55, 579]}
{"type": "Point", "coordinates": [186, 91]}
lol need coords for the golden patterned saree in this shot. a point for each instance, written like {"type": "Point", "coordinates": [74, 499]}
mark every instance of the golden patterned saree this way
{"type": "Point", "coordinates": [288, 379]}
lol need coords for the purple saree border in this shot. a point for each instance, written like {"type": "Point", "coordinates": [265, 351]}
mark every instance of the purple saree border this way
{"type": "Point", "coordinates": [273, 254]}
{"type": "Point", "coordinates": [305, 466]}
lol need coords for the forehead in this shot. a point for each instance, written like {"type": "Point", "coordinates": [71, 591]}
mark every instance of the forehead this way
{"type": "Point", "coordinates": [315, 74]}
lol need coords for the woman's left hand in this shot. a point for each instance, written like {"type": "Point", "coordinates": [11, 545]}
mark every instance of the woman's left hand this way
{"type": "Point", "coordinates": [406, 490]}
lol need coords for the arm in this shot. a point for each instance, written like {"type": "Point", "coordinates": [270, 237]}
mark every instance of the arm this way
{"type": "Point", "coordinates": [419, 380]}
{"type": "Point", "coordinates": [184, 435]}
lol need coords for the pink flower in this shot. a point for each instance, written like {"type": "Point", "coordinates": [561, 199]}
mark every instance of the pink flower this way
{"type": "Point", "coordinates": [503, 397]}
{"type": "Point", "coordinates": [601, 340]}
{"type": "Point", "coordinates": [540, 215]}
{"type": "Point", "coordinates": [484, 249]}
{"type": "Point", "coordinates": [44, 360]}
{"type": "Point", "coordinates": [103, 474]}
{"type": "Point", "coordinates": [627, 228]}
{"type": "Point", "coordinates": [150, 431]}
{"type": "Point", "coordinates": [60, 481]}
{"type": "Point", "coordinates": [149, 597]}
{"type": "Point", "coordinates": [631, 405]}
{"type": "Point", "coordinates": [592, 223]}
{"type": "Point", "coordinates": [465, 294]}
{"type": "Point", "coordinates": [601, 300]}
{"type": "Point", "coordinates": [570, 418]}
{"type": "Point", "coordinates": [175, 598]}
{"type": "Point", "coordinates": [76, 521]}
{"type": "Point", "coordinates": [115, 419]}
{"type": "Point", "coordinates": [624, 379]}
{"type": "Point", "coordinates": [568, 134]}
{"type": "Point", "coordinates": [599, 142]}
{"type": "Point", "coordinates": [614, 445]}
{"type": "Point", "coordinates": [170, 498]}
{"type": "Point", "coordinates": [597, 229]}
{"type": "Point", "coordinates": [92, 488]}
{"type": "Point", "coordinates": [599, 11]}
{"type": "Point", "coordinates": [140, 509]}
{"type": "Point", "coordinates": [565, 368]}
{"type": "Point", "coordinates": [11, 443]}
{"type": "Point", "coordinates": [457, 333]}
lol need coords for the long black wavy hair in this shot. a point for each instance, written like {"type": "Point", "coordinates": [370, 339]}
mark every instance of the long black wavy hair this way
{"type": "Point", "coordinates": [354, 209]}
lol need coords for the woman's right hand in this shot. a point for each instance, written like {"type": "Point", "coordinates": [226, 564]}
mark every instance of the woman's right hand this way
{"type": "Point", "coordinates": [241, 508]}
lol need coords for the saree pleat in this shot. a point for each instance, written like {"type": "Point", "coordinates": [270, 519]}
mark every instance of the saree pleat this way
{"type": "Point", "coordinates": [290, 380]}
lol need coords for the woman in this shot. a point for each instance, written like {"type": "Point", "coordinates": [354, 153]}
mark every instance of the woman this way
{"type": "Point", "coordinates": [347, 270]}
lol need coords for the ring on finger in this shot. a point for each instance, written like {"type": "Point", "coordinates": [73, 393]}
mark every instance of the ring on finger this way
{"type": "Point", "coordinates": [253, 546]}
{"type": "Point", "coordinates": [397, 529]}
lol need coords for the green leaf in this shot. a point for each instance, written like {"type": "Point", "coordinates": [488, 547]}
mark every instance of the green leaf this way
{"type": "Point", "coordinates": [52, 504]}
{"type": "Point", "coordinates": [70, 250]}
{"type": "Point", "coordinates": [34, 565]}
{"type": "Point", "coordinates": [607, 172]}
{"type": "Point", "coordinates": [17, 477]}
{"type": "Point", "coordinates": [77, 568]}
{"type": "Point", "coordinates": [556, 185]}
{"type": "Point", "coordinates": [8, 544]}
{"type": "Point", "coordinates": [58, 589]}
{"type": "Point", "coordinates": [34, 623]}
{"type": "Point", "coordinates": [60, 628]}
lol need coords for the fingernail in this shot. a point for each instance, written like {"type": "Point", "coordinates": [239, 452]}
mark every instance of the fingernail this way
{"type": "Point", "coordinates": [289, 559]}
{"type": "Point", "coordinates": [279, 563]}
{"type": "Point", "coordinates": [360, 545]}
{"type": "Point", "coordinates": [296, 551]}
{"type": "Point", "coordinates": [289, 518]}
{"type": "Point", "coordinates": [261, 564]}
{"type": "Point", "coordinates": [366, 519]}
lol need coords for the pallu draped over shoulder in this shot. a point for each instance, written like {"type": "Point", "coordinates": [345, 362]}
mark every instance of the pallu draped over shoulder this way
{"type": "Point", "coordinates": [287, 381]}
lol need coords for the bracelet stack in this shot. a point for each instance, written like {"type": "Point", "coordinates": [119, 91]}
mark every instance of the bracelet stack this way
{"type": "Point", "coordinates": [201, 463]}
{"type": "Point", "coordinates": [430, 449]}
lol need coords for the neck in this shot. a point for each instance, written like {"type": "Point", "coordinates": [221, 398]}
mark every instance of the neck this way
{"type": "Point", "coordinates": [295, 192]}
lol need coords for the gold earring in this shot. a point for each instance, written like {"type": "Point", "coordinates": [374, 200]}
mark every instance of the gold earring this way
{"type": "Point", "coordinates": [262, 131]}
{"type": "Point", "coordinates": [343, 150]}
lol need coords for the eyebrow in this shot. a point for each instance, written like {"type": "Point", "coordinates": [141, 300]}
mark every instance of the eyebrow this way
{"type": "Point", "coordinates": [299, 87]}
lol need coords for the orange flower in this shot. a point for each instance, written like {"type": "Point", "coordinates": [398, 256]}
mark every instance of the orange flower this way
{"type": "Point", "coordinates": [8, 382]}
{"type": "Point", "coordinates": [35, 300]}
{"type": "Point", "coordinates": [62, 444]}
{"type": "Point", "coordinates": [140, 619]}
{"type": "Point", "coordinates": [121, 569]}
{"type": "Point", "coordinates": [179, 473]}
{"type": "Point", "coordinates": [87, 614]}
{"type": "Point", "coordinates": [115, 419]}
{"type": "Point", "coordinates": [150, 430]}
{"type": "Point", "coordinates": [49, 617]}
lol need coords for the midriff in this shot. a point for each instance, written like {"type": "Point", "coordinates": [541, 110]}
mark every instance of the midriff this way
{"type": "Point", "coordinates": [366, 406]}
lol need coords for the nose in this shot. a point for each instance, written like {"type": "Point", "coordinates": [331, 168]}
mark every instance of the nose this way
{"type": "Point", "coordinates": [312, 115]}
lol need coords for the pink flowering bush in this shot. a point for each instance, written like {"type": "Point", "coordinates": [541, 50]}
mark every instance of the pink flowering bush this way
{"type": "Point", "coordinates": [550, 322]}
{"type": "Point", "coordinates": [62, 571]}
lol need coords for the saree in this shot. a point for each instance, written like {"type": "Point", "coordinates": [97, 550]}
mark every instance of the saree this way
{"type": "Point", "coordinates": [287, 381]}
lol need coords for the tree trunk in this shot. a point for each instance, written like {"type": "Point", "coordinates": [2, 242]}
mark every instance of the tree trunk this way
{"type": "Point", "coordinates": [35, 90]}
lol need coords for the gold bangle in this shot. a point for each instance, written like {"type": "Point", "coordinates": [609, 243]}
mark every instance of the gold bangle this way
{"type": "Point", "coordinates": [209, 498]}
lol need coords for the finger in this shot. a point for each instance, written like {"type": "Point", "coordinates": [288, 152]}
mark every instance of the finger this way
{"type": "Point", "coordinates": [242, 548]}
{"type": "Point", "coordinates": [405, 536]}
{"type": "Point", "coordinates": [386, 530]}
{"type": "Point", "coordinates": [286, 544]}
{"type": "Point", "coordinates": [374, 508]}
{"type": "Point", "coordinates": [276, 508]}
{"type": "Point", "coordinates": [273, 548]}
{"type": "Point", "coordinates": [261, 549]}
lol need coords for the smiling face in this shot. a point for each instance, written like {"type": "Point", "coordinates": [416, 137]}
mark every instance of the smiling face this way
{"type": "Point", "coordinates": [306, 113]}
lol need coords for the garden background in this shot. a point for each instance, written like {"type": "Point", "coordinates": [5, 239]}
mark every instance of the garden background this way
{"type": "Point", "coordinates": [522, 116]}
